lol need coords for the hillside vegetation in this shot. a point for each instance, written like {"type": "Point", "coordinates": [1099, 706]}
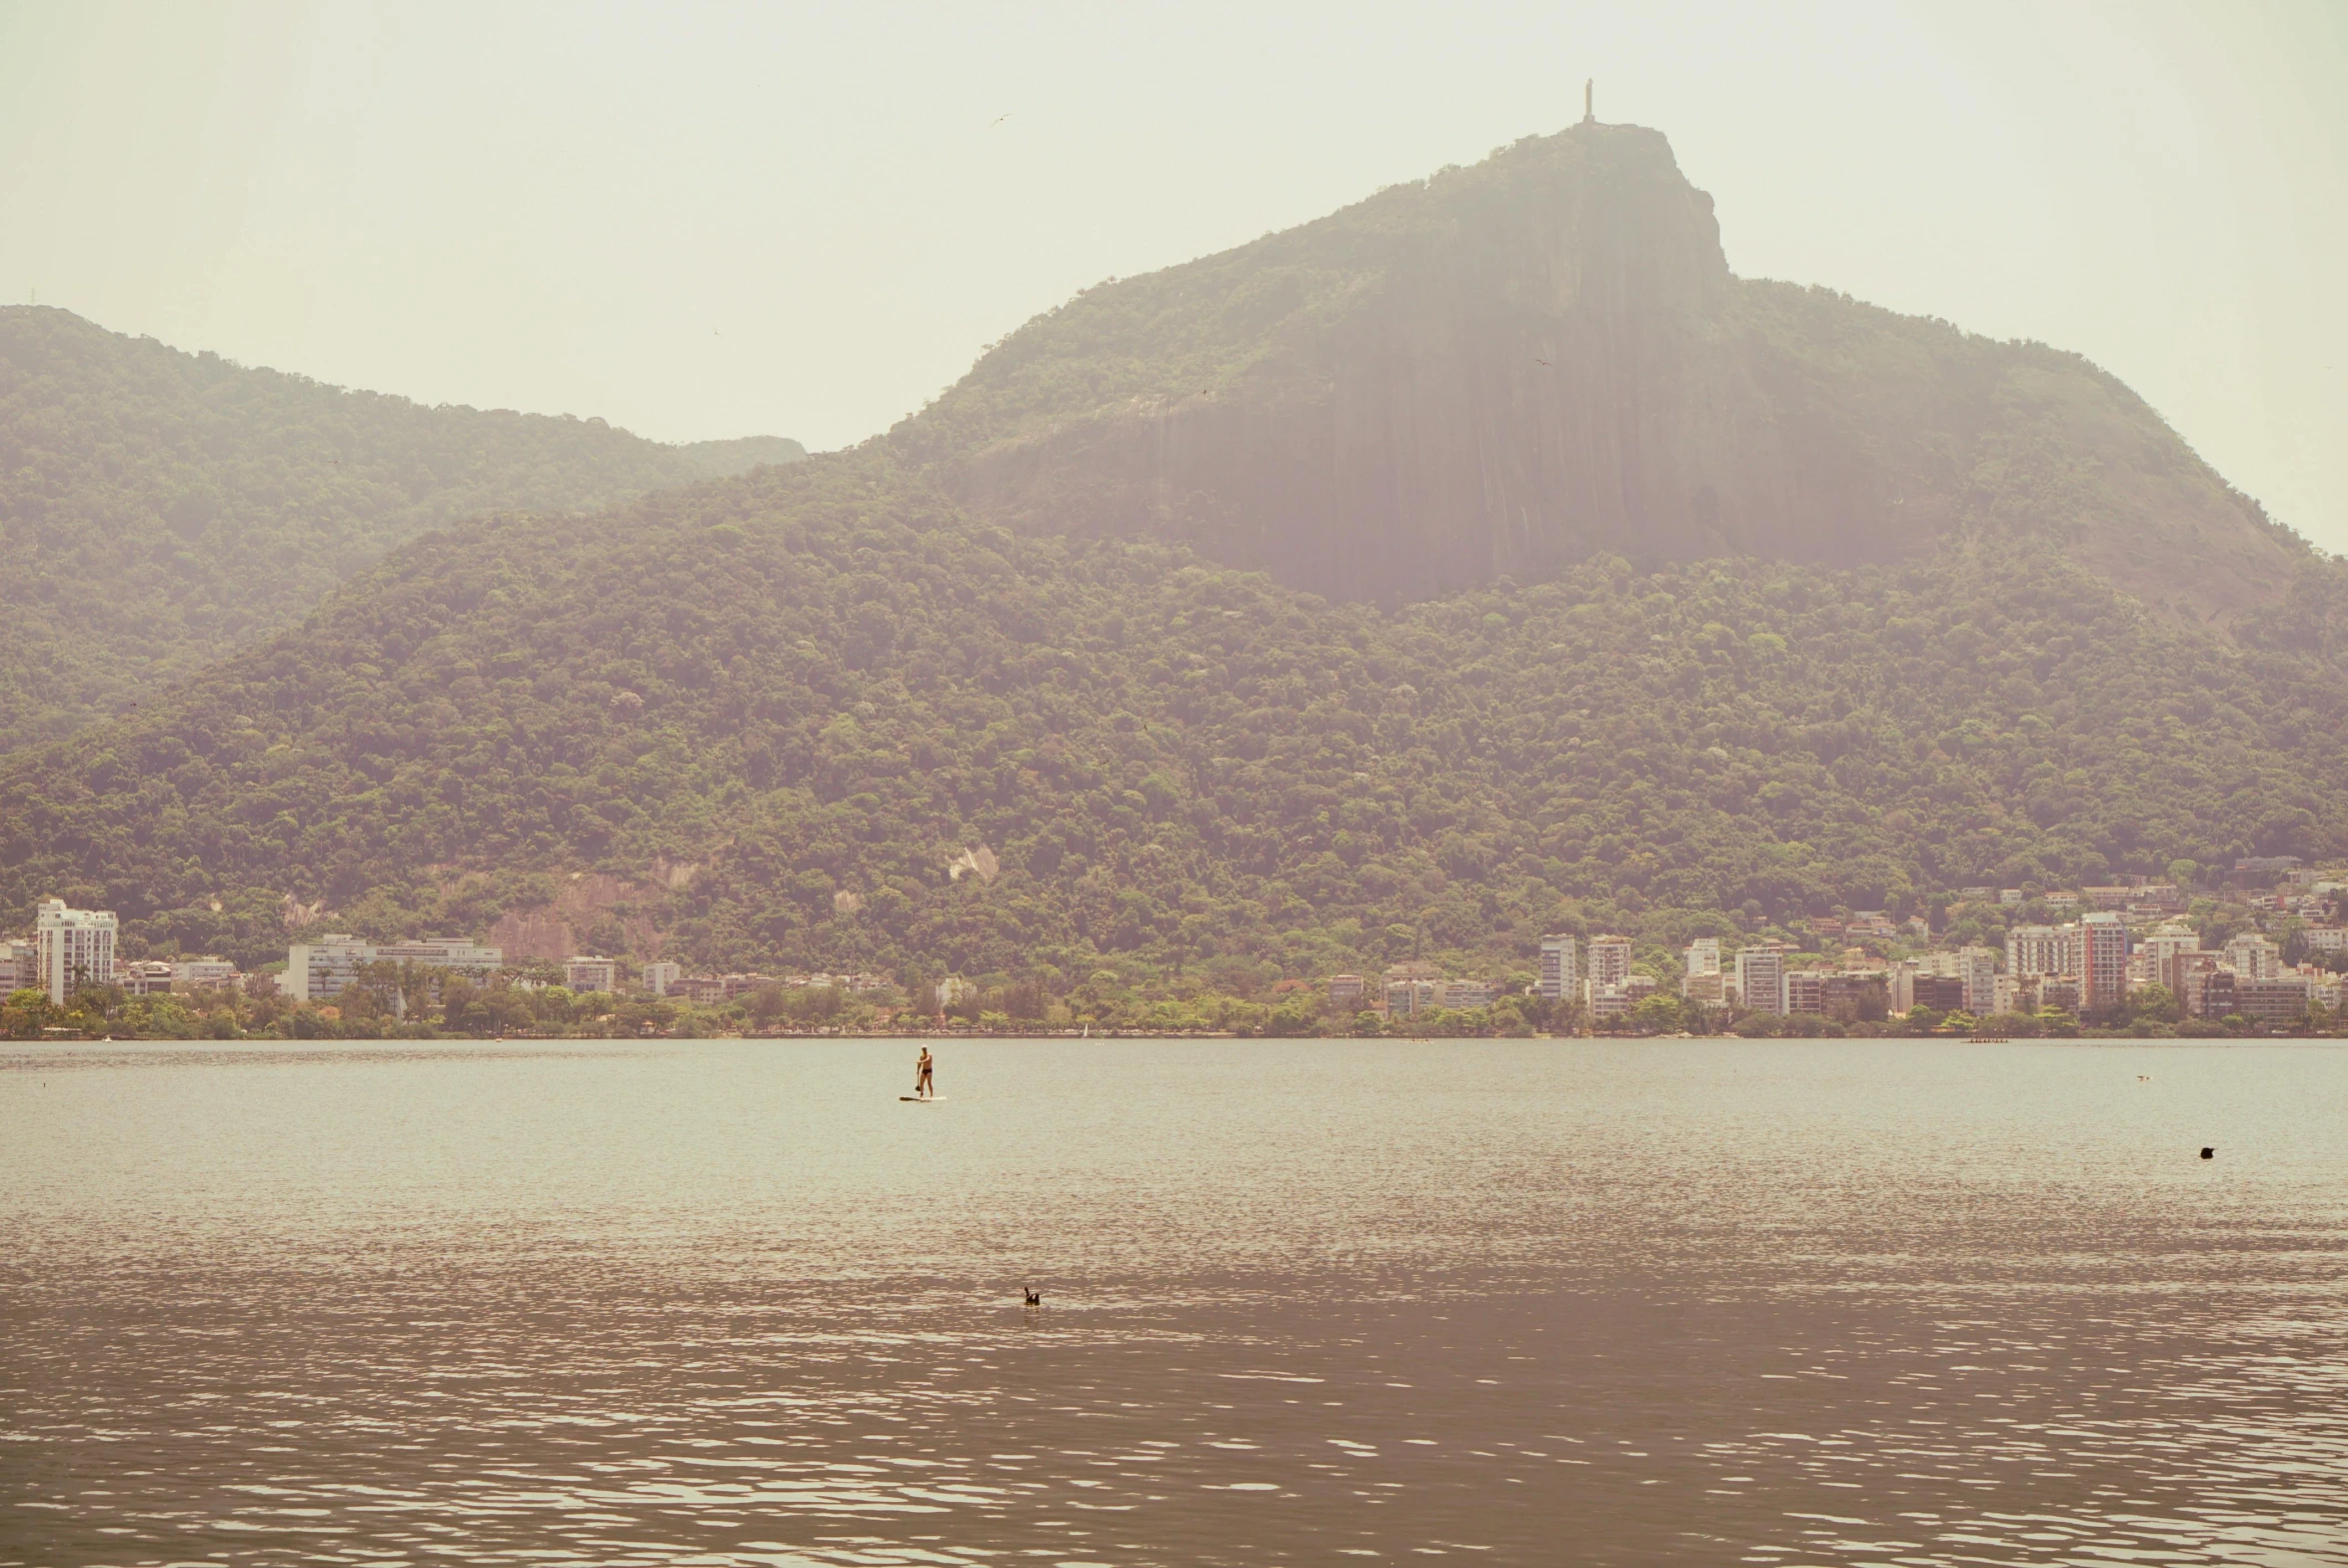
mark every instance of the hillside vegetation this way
{"type": "Point", "coordinates": [159, 509]}
{"type": "Point", "coordinates": [817, 689]}
{"type": "Point", "coordinates": [1510, 567]}
{"type": "Point", "coordinates": [1507, 369]}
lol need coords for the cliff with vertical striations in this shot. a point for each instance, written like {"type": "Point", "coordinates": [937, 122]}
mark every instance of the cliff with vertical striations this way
{"type": "Point", "coordinates": [1508, 368]}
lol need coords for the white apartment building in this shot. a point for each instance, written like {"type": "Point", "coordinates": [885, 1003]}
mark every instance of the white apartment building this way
{"type": "Point", "coordinates": [1805, 991]}
{"type": "Point", "coordinates": [1977, 968]}
{"type": "Point", "coordinates": [1408, 998]}
{"type": "Point", "coordinates": [2103, 960]}
{"type": "Point", "coordinates": [144, 977]}
{"type": "Point", "coordinates": [20, 963]}
{"type": "Point", "coordinates": [206, 974]}
{"type": "Point", "coordinates": [1608, 1002]}
{"type": "Point", "coordinates": [1760, 977]}
{"type": "Point", "coordinates": [2013, 994]}
{"type": "Point", "coordinates": [1703, 956]}
{"type": "Point", "coordinates": [2253, 958]}
{"type": "Point", "coordinates": [443, 952]}
{"type": "Point", "coordinates": [2162, 954]}
{"type": "Point", "coordinates": [592, 974]}
{"type": "Point", "coordinates": [2094, 952]}
{"type": "Point", "coordinates": [661, 974]}
{"type": "Point", "coordinates": [1561, 968]}
{"type": "Point", "coordinates": [318, 971]}
{"type": "Point", "coordinates": [1467, 994]}
{"type": "Point", "coordinates": [2038, 949]}
{"type": "Point", "coordinates": [72, 949]}
{"type": "Point", "coordinates": [1609, 962]}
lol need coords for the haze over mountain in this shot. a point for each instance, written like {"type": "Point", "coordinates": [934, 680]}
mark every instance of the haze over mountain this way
{"type": "Point", "coordinates": [159, 509]}
{"type": "Point", "coordinates": [1750, 600]}
{"type": "Point", "coordinates": [1511, 367]}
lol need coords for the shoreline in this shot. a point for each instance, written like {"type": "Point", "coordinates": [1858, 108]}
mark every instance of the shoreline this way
{"type": "Point", "coordinates": [1146, 1035]}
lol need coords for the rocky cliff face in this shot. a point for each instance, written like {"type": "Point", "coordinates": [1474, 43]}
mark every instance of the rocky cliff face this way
{"type": "Point", "coordinates": [1513, 367]}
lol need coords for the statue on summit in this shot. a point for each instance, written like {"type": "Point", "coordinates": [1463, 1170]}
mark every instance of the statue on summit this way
{"type": "Point", "coordinates": [1589, 116]}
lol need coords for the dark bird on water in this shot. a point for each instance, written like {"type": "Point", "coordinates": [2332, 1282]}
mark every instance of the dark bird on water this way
{"type": "Point", "coordinates": [1035, 1297]}
{"type": "Point", "coordinates": [2209, 1154]}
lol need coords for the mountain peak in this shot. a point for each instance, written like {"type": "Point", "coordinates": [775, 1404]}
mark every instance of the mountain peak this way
{"type": "Point", "coordinates": [1593, 217]}
{"type": "Point", "coordinates": [1507, 368]}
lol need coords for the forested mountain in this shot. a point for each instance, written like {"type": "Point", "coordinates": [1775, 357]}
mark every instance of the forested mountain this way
{"type": "Point", "coordinates": [999, 693]}
{"type": "Point", "coordinates": [1508, 368]}
{"type": "Point", "coordinates": [158, 509]}
{"type": "Point", "coordinates": [787, 705]}
{"type": "Point", "coordinates": [717, 458]}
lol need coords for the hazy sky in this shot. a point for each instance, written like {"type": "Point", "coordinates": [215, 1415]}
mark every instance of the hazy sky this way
{"type": "Point", "coordinates": [720, 219]}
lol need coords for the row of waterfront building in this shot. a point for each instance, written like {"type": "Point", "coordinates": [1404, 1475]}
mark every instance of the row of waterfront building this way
{"type": "Point", "coordinates": [72, 949]}
{"type": "Point", "coordinates": [2085, 966]}
{"type": "Point", "coordinates": [318, 971]}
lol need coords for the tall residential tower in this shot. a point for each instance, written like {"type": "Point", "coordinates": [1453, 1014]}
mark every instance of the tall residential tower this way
{"type": "Point", "coordinates": [74, 948]}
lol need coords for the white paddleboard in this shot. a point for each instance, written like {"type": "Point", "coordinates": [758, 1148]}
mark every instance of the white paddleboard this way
{"type": "Point", "coordinates": [921, 1100]}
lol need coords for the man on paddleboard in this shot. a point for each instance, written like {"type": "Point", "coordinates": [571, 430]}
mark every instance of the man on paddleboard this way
{"type": "Point", "coordinates": [922, 1087]}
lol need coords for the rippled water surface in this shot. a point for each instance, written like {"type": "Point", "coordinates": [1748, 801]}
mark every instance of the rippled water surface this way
{"type": "Point", "coordinates": [734, 1303]}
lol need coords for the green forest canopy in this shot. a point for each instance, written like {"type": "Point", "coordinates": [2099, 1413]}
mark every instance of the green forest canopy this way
{"type": "Point", "coordinates": [159, 509]}
{"type": "Point", "coordinates": [825, 680]}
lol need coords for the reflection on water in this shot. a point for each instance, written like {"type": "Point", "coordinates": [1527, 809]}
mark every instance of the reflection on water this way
{"type": "Point", "coordinates": [732, 1302]}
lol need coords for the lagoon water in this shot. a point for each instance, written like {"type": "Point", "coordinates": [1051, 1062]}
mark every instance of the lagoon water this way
{"type": "Point", "coordinates": [732, 1302]}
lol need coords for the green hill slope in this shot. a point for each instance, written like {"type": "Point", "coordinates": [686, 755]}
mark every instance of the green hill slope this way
{"type": "Point", "coordinates": [784, 706]}
{"type": "Point", "coordinates": [159, 509]}
{"type": "Point", "coordinates": [1510, 367]}
{"type": "Point", "coordinates": [1385, 637]}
